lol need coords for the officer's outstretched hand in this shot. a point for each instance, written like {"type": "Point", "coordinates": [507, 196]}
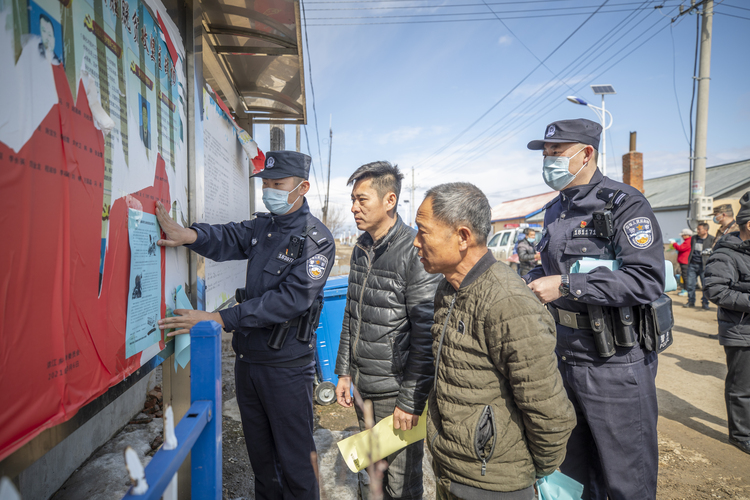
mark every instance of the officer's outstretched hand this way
{"type": "Point", "coordinates": [546, 288]}
{"type": "Point", "coordinates": [176, 234]}
{"type": "Point", "coordinates": [344, 391]}
{"type": "Point", "coordinates": [404, 420]}
{"type": "Point", "coordinates": [184, 319]}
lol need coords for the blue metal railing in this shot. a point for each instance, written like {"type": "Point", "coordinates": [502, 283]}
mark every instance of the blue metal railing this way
{"type": "Point", "coordinates": [199, 430]}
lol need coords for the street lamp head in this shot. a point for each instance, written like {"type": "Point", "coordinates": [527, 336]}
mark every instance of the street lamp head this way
{"type": "Point", "coordinates": [577, 100]}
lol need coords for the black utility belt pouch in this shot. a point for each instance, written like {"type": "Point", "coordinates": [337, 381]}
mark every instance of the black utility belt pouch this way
{"type": "Point", "coordinates": [657, 321]}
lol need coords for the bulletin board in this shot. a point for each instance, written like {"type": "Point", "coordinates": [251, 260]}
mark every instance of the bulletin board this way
{"type": "Point", "coordinates": [92, 134]}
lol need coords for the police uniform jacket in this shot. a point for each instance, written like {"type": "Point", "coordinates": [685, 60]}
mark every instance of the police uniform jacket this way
{"type": "Point", "coordinates": [278, 288]}
{"type": "Point", "coordinates": [568, 237]}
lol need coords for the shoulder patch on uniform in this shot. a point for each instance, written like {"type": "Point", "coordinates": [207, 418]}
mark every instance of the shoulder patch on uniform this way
{"type": "Point", "coordinates": [640, 232]}
{"type": "Point", "coordinates": [316, 266]}
{"type": "Point", "coordinates": [552, 202]}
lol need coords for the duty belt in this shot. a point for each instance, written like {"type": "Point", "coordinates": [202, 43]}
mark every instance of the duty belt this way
{"type": "Point", "coordinates": [570, 319]}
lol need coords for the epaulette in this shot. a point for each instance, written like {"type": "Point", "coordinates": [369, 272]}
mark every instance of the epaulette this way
{"type": "Point", "coordinates": [262, 214]}
{"type": "Point", "coordinates": [314, 234]}
{"type": "Point", "coordinates": [552, 202]}
{"type": "Point", "coordinates": [606, 194]}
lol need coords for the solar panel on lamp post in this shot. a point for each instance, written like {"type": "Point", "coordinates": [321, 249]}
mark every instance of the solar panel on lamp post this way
{"type": "Point", "coordinates": [602, 114]}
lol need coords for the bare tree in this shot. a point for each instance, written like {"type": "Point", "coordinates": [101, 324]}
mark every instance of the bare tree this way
{"type": "Point", "coordinates": [337, 218]}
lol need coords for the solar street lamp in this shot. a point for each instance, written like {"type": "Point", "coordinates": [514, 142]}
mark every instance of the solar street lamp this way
{"type": "Point", "coordinates": [601, 90]}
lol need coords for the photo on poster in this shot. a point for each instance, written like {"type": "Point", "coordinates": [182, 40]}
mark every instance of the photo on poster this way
{"type": "Point", "coordinates": [43, 24]}
{"type": "Point", "coordinates": [145, 112]}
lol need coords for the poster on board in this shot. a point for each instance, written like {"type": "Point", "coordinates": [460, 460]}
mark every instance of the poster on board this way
{"type": "Point", "coordinates": [92, 126]}
{"type": "Point", "coordinates": [227, 195]}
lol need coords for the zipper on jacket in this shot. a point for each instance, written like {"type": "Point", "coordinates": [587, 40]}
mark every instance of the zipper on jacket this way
{"type": "Point", "coordinates": [479, 450]}
{"type": "Point", "coordinates": [359, 321]}
{"type": "Point", "coordinates": [442, 337]}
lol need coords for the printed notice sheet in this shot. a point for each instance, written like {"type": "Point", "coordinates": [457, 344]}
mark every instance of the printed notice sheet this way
{"type": "Point", "coordinates": [144, 293]}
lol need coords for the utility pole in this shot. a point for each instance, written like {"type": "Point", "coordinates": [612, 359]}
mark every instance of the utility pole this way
{"type": "Point", "coordinates": [412, 202]}
{"type": "Point", "coordinates": [328, 187]}
{"type": "Point", "coordinates": [700, 205]}
{"type": "Point", "coordinates": [701, 116]}
{"type": "Point", "coordinates": [299, 143]}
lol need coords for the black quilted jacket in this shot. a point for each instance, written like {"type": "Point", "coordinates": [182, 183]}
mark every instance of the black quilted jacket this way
{"type": "Point", "coordinates": [386, 344]}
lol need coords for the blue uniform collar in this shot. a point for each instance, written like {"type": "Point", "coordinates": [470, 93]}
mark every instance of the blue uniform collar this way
{"type": "Point", "coordinates": [288, 220]}
{"type": "Point", "coordinates": [579, 192]}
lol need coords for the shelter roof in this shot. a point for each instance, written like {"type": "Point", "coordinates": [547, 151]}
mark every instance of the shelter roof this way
{"type": "Point", "coordinates": [252, 57]}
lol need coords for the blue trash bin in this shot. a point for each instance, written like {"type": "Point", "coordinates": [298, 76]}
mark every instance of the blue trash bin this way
{"type": "Point", "coordinates": [329, 335]}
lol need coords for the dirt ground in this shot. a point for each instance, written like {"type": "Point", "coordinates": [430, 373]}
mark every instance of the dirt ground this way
{"type": "Point", "coordinates": [695, 460]}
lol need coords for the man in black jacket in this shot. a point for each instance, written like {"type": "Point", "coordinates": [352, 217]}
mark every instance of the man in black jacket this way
{"type": "Point", "coordinates": [526, 252]}
{"type": "Point", "coordinates": [728, 286]}
{"type": "Point", "coordinates": [700, 249]}
{"type": "Point", "coordinates": [386, 344]}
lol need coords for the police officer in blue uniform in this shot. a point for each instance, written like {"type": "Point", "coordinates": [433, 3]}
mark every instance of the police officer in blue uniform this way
{"type": "Point", "coordinates": [607, 373]}
{"type": "Point", "coordinates": [289, 255]}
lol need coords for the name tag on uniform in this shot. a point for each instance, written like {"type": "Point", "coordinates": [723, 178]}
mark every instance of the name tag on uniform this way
{"type": "Point", "coordinates": [584, 232]}
{"type": "Point", "coordinates": [284, 258]}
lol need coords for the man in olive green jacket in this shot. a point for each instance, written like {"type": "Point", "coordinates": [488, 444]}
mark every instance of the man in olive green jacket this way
{"type": "Point", "coordinates": [498, 415]}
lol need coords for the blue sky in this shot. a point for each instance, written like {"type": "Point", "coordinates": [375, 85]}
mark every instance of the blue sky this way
{"type": "Point", "coordinates": [401, 92]}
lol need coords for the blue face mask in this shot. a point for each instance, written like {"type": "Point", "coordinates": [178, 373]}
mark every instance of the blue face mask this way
{"type": "Point", "coordinates": [276, 202]}
{"type": "Point", "coordinates": [556, 171]}
{"type": "Point", "coordinates": [530, 240]}
{"type": "Point", "coordinates": [716, 220]}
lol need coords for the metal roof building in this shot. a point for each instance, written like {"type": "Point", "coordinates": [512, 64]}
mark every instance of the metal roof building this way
{"type": "Point", "coordinates": [668, 195]}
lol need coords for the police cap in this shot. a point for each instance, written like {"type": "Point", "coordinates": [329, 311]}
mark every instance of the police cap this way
{"type": "Point", "coordinates": [726, 208]}
{"type": "Point", "coordinates": [280, 164]}
{"type": "Point", "coordinates": [580, 130]}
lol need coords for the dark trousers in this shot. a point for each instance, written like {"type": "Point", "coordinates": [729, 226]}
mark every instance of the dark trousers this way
{"type": "Point", "coordinates": [403, 478]}
{"type": "Point", "coordinates": [277, 419]}
{"type": "Point", "coordinates": [737, 392]}
{"type": "Point", "coordinates": [613, 450]}
{"type": "Point", "coordinates": [684, 275]}
{"type": "Point", "coordinates": [694, 271]}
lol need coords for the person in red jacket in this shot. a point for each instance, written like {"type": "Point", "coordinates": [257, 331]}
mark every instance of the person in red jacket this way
{"type": "Point", "coordinates": [683, 257]}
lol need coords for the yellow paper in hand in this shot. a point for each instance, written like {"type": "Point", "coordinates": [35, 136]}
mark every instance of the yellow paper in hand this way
{"type": "Point", "coordinates": [361, 450]}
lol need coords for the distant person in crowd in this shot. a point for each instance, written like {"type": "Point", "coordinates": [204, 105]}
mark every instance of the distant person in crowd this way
{"type": "Point", "coordinates": [47, 33]}
{"type": "Point", "coordinates": [724, 217]}
{"type": "Point", "coordinates": [385, 348]}
{"type": "Point", "coordinates": [526, 252]}
{"type": "Point", "coordinates": [609, 375]}
{"type": "Point", "coordinates": [700, 249]}
{"type": "Point", "coordinates": [728, 286]}
{"type": "Point", "coordinates": [289, 255]}
{"type": "Point", "coordinates": [498, 417]}
{"type": "Point", "coordinates": [683, 254]}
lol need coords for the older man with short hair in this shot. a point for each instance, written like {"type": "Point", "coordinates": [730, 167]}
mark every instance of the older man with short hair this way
{"type": "Point", "coordinates": [498, 416]}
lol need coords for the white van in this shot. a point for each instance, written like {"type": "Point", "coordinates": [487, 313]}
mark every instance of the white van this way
{"type": "Point", "coordinates": [503, 243]}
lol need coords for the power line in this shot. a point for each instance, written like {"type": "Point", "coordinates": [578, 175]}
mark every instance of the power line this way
{"type": "Point", "coordinates": [513, 2]}
{"type": "Point", "coordinates": [520, 127]}
{"type": "Point", "coordinates": [674, 85]}
{"type": "Point", "coordinates": [561, 75]}
{"type": "Point", "coordinates": [733, 6]}
{"type": "Point", "coordinates": [432, 21]}
{"type": "Point", "coordinates": [732, 15]}
{"type": "Point", "coordinates": [440, 150]}
{"type": "Point", "coordinates": [312, 88]}
{"type": "Point", "coordinates": [450, 6]}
